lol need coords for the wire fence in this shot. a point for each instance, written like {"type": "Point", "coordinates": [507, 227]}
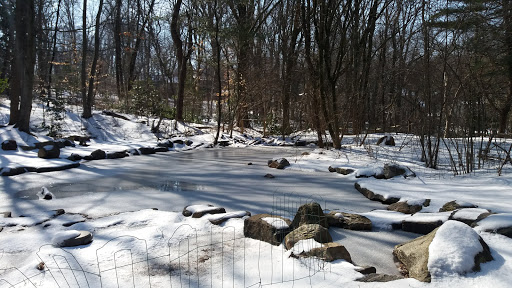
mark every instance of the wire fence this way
{"type": "Point", "coordinates": [218, 257]}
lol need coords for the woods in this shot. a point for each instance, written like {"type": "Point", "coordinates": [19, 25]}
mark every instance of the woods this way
{"type": "Point", "coordinates": [436, 69]}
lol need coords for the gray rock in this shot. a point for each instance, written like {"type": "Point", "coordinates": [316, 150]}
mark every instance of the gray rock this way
{"type": "Point", "coordinates": [74, 157]}
{"type": "Point", "coordinates": [84, 238]}
{"type": "Point", "coordinates": [161, 149]}
{"type": "Point", "coordinates": [344, 171]}
{"type": "Point", "coordinates": [366, 270]}
{"type": "Point", "coordinates": [392, 170]}
{"type": "Point", "coordinates": [387, 140]}
{"type": "Point", "coordinates": [374, 277]}
{"type": "Point", "coordinates": [310, 213]}
{"type": "Point", "coordinates": [147, 150]}
{"type": "Point", "coordinates": [56, 168]}
{"type": "Point", "coordinates": [404, 207]}
{"type": "Point", "coordinates": [374, 196]}
{"type": "Point", "coordinates": [453, 205]}
{"type": "Point", "coordinates": [117, 155]}
{"type": "Point", "coordinates": [268, 175]}
{"type": "Point", "coordinates": [256, 228]}
{"type": "Point", "coordinates": [279, 163]}
{"type": "Point", "coordinates": [413, 256]}
{"type": "Point", "coordinates": [349, 221]}
{"type": "Point", "coordinates": [49, 152]}
{"type": "Point", "coordinates": [329, 252]}
{"type": "Point", "coordinates": [308, 231]}
{"type": "Point", "coordinates": [9, 145]}
{"type": "Point", "coordinates": [198, 214]}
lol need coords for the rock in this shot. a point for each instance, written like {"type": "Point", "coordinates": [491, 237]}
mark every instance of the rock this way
{"type": "Point", "coordinates": [374, 196]}
{"type": "Point", "coordinates": [454, 205]}
{"type": "Point", "coordinates": [147, 150]}
{"type": "Point", "coordinates": [189, 142]}
{"type": "Point", "coordinates": [161, 149]}
{"type": "Point", "coordinates": [74, 157]}
{"type": "Point", "coordinates": [45, 194]}
{"type": "Point", "coordinates": [84, 238]}
{"type": "Point", "coordinates": [301, 143]}
{"type": "Point", "coordinates": [344, 171]}
{"type": "Point", "coordinates": [495, 223]}
{"type": "Point", "coordinates": [414, 255]}
{"type": "Point", "coordinates": [331, 169]}
{"type": "Point", "coordinates": [178, 141]}
{"type": "Point", "coordinates": [6, 214]}
{"type": "Point", "coordinates": [256, 227]}
{"type": "Point", "coordinates": [56, 168]}
{"type": "Point", "coordinates": [308, 231]}
{"type": "Point", "coordinates": [424, 223]}
{"type": "Point", "coordinates": [310, 213]}
{"type": "Point", "coordinates": [392, 170]}
{"type": "Point", "coordinates": [404, 207]}
{"type": "Point", "coordinates": [168, 144]}
{"type": "Point", "coordinates": [279, 163]}
{"type": "Point", "coordinates": [469, 215]}
{"type": "Point", "coordinates": [329, 252]}
{"type": "Point", "coordinates": [387, 140]}
{"type": "Point", "coordinates": [96, 155]}
{"type": "Point", "coordinates": [13, 171]}
{"type": "Point", "coordinates": [9, 145]}
{"type": "Point", "coordinates": [349, 221]}
{"type": "Point", "coordinates": [134, 152]}
{"type": "Point", "coordinates": [117, 155]}
{"type": "Point", "coordinates": [197, 211]}
{"type": "Point", "coordinates": [366, 270]}
{"type": "Point", "coordinates": [250, 163]}
{"type": "Point", "coordinates": [374, 277]}
{"type": "Point", "coordinates": [268, 175]}
{"type": "Point", "coordinates": [305, 153]}
{"type": "Point", "coordinates": [220, 218]}
{"type": "Point", "coordinates": [49, 152]}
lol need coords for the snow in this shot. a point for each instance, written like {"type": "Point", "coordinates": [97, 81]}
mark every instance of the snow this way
{"type": "Point", "coordinates": [469, 213]}
{"type": "Point", "coordinates": [62, 236]}
{"type": "Point", "coordinates": [200, 208]}
{"type": "Point", "coordinates": [304, 246]}
{"type": "Point", "coordinates": [429, 217]}
{"type": "Point", "coordinates": [113, 203]}
{"type": "Point", "coordinates": [453, 250]}
{"type": "Point", "coordinates": [277, 223]}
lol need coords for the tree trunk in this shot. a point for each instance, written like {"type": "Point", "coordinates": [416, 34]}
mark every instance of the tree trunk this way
{"type": "Point", "coordinates": [24, 62]}
{"type": "Point", "coordinates": [87, 113]}
{"type": "Point", "coordinates": [121, 91]}
{"type": "Point", "coordinates": [218, 74]}
{"type": "Point", "coordinates": [83, 75]}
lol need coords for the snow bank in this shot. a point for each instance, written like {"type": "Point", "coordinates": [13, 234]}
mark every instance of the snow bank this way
{"type": "Point", "coordinates": [453, 250]}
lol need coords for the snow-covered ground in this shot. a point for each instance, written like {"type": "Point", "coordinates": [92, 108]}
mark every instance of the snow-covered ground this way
{"type": "Point", "coordinates": [141, 247]}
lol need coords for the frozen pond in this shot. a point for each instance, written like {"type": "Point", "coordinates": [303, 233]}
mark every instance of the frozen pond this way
{"type": "Point", "coordinates": [222, 177]}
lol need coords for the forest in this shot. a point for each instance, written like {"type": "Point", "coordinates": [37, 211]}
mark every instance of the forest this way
{"type": "Point", "coordinates": [436, 69]}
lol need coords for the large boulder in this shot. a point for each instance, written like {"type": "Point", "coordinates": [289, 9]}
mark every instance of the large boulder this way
{"type": "Point", "coordinates": [445, 250]}
{"type": "Point", "coordinates": [348, 221]}
{"type": "Point", "coordinates": [308, 231]}
{"type": "Point", "coordinates": [329, 252]}
{"type": "Point", "coordinates": [72, 238]}
{"type": "Point", "coordinates": [117, 155]}
{"type": "Point", "coordinates": [9, 145]}
{"type": "Point", "coordinates": [49, 152]}
{"type": "Point", "coordinates": [310, 213]}
{"type": "Point", "coordinates": [279, 163]}
{"type": "Point", "coordinates": [96, 155]}
{"type": "Point", "coordinates": [147, 150]}
{"type": "Point", "coordinates": [375, 196]}
{"type": "Point", "coordinates": [265, 227]}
